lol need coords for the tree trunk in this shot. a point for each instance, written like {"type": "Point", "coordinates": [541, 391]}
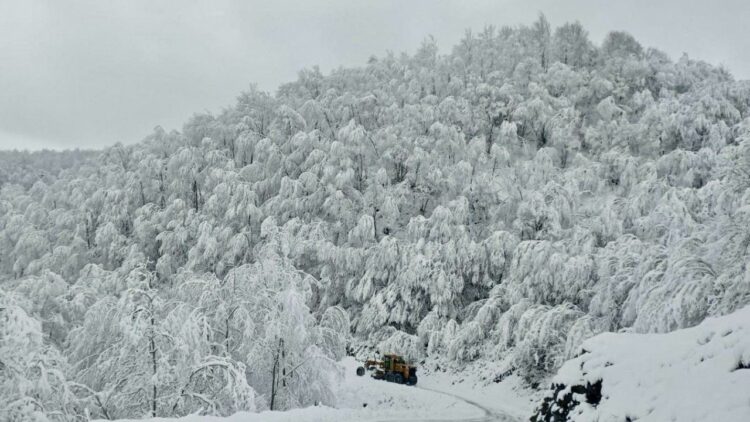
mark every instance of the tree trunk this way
{"type": "Point", "coordinates": [162, 200]}
{"type": "Point", "coordinates": [143, 195]}
{"type": "Point", "coordinates": [226, 336]}
{"type": "Point", "coordinates": [153, 363]}
{"type": "Point", "coordinates": [152, 343]}
{"type": "Point", "coordinates": [195, 194]}
{"type": "Point", "coordinates": [274, 373]}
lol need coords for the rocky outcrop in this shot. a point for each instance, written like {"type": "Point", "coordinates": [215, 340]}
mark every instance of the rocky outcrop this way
{"type": "Point", "coordinates": [562, 399]}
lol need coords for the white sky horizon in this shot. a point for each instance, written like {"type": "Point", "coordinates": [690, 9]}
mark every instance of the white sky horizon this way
{"type": "Point", "coordinates": [88, 74]}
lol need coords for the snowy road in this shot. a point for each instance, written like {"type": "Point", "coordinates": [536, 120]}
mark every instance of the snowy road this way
{"type": "Point", "coordinates": [433, 400]}
{"type": "Point", "coordinates": [363, 399]}
{"type": "Point", "coordinates": [489, 415]}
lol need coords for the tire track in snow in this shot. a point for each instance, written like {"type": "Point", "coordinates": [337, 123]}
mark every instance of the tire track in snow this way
{"type": "Point", "coordinates": [489, 415]}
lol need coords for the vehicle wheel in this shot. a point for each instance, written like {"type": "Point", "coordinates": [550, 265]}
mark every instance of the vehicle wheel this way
{"type": "Point", "coordinates": [412, 380]}
{"type": "Point", "coordinates": [398, 379]}
{"type": "Point", "coordinates": [360, 371]}
{"type": "Point", "coordinates": [389, 377]}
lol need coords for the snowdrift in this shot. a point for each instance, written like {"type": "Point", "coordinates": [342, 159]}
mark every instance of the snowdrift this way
{"type": "Point", "coordinates": [695, 374]}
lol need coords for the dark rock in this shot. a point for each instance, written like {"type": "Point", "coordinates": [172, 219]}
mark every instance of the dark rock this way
{"type": "Point", "coordinates": [565, 403]}
{"type": "Point", "coordinates": [594, 393]}
{"type": "Point", "coordinates": [500, 377]}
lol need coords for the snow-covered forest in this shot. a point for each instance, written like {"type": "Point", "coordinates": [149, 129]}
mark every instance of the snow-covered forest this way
{"type": "Point", "coordinates": [503, 200]}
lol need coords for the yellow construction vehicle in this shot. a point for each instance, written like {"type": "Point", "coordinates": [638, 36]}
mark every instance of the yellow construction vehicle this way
{"type": "Point", "coordinates": [393, 368]}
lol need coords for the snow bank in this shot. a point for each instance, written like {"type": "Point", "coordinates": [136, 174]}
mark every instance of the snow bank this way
{"type": "Point", "coordinates": [696, 374]}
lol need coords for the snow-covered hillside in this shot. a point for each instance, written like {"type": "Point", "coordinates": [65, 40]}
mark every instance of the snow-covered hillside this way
{"type": "Point", "coordinates": [495, 205]}
{"type": "Point", "coordinates": [695, 374]}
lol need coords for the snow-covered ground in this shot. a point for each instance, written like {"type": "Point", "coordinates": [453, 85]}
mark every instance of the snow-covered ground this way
{"type": "Point", "coordinates": [438, 397]}
{"type": "Point", "coordinates": [506, 400]}
{"type": "Point", "coordinates": [696, 374]}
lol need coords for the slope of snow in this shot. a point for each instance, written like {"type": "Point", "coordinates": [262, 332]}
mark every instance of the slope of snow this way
{"type": "Point", "coordinates": [511, 398]}
{"type": "Point", "coordinates": [694, 374]}
{"type": "Point", "coordinates": [384, 402]}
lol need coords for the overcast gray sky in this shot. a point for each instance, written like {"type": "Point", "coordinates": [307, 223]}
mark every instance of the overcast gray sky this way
{"type": "Point", "coordinates": [91, 73]}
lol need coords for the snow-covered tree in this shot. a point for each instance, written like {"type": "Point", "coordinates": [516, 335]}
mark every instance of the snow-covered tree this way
{"type": "Point", "coordinates": [502, 200]}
